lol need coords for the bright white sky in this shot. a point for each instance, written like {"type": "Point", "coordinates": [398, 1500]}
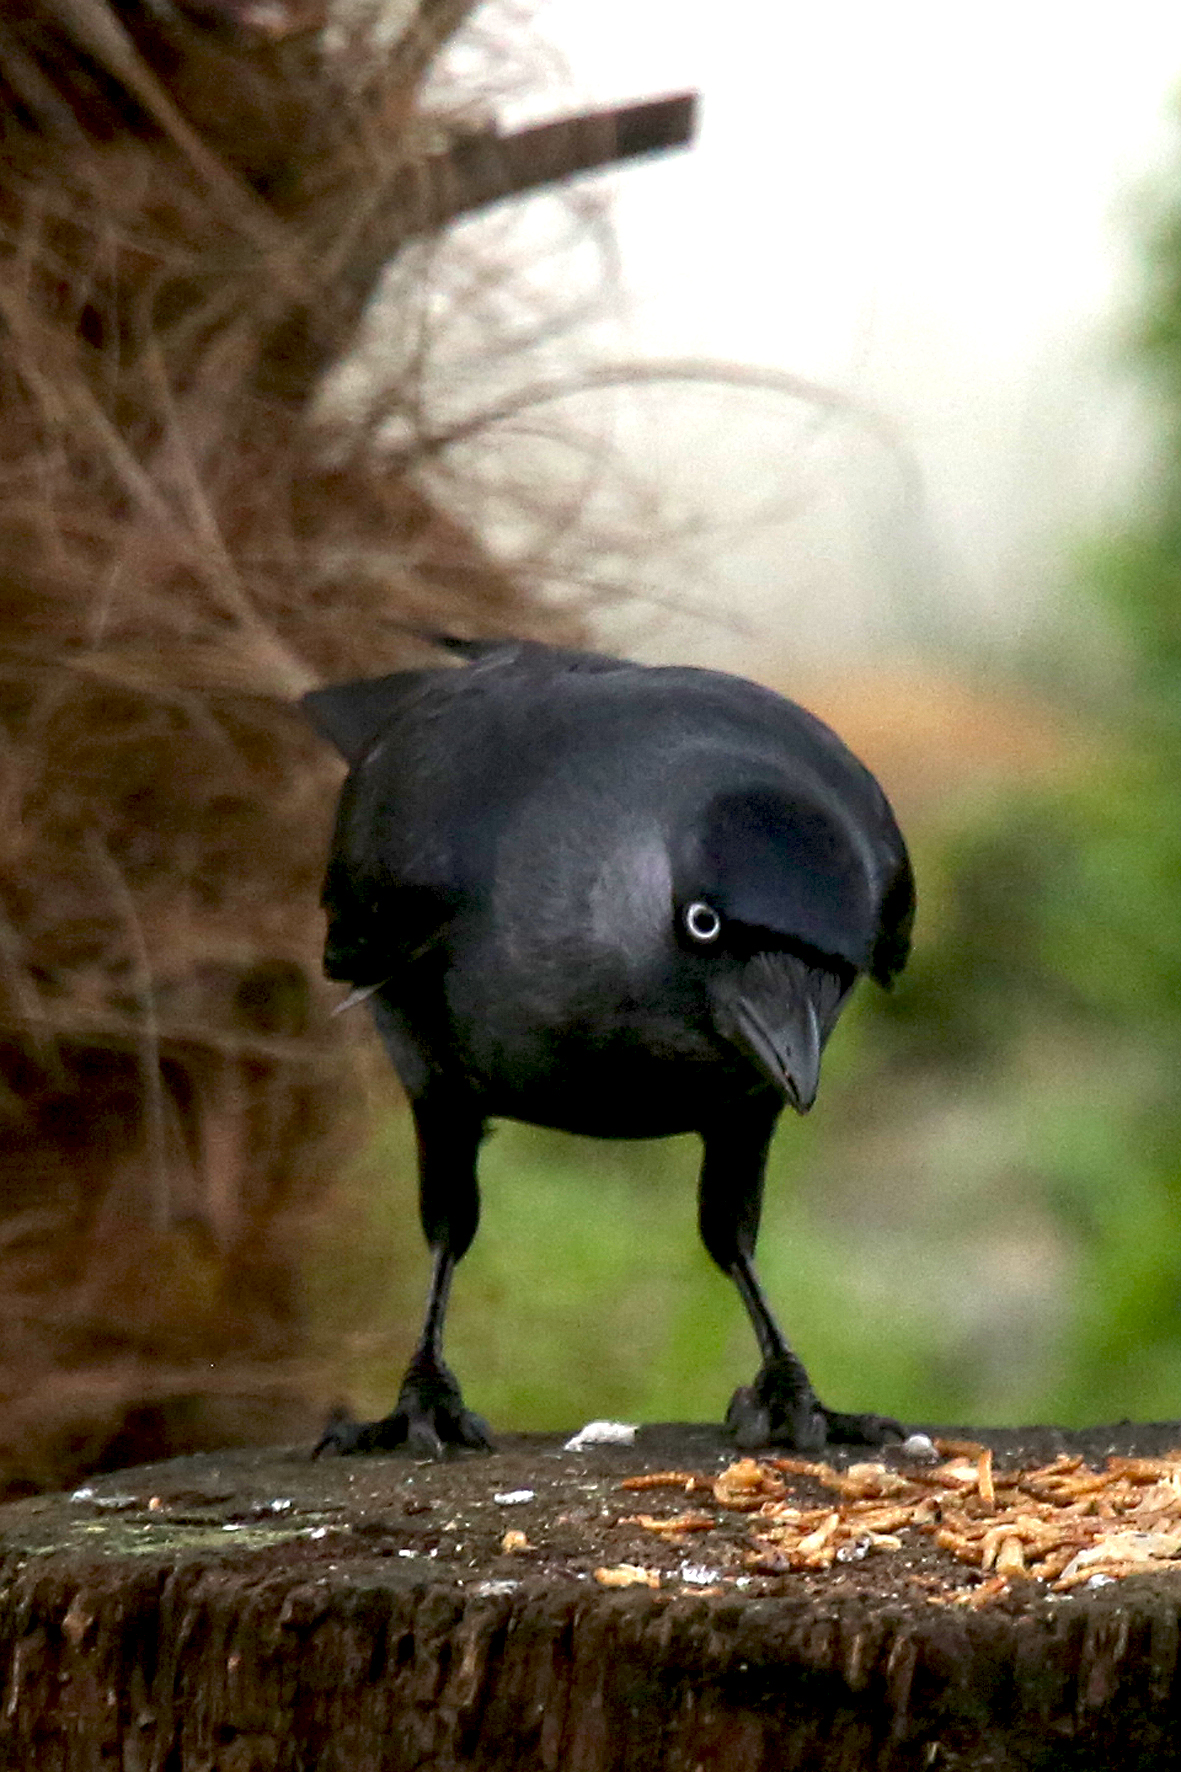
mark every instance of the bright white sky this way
{"type": "Point", "coordinates": [924, 205]}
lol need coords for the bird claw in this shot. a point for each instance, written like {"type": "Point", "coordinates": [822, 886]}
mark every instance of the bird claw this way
{"type": "Point", "coordinates": [862, 1430]}
{"type": "Point", "coordinates": [343, 1433]}
{"type": "Point", "coordinates": [781, 1409]}
{"type": "Point", "coordinates": [429, 1420]}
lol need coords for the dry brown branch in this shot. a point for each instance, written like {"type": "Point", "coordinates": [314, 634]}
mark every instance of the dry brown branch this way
{"type": "Point", "coordinates": [487, 167]}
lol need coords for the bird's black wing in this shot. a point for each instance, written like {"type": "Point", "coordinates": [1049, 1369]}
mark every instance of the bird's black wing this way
{"type": "Point", "coordinates": [439, 757]}
{"type": "Point", "coordinates": [354, 715]}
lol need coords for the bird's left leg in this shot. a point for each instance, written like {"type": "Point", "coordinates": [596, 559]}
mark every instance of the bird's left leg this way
{"type": "Point", "coordinates": [780, 1408]}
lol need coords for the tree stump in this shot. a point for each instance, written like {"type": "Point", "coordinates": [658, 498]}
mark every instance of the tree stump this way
{"type": "Point", "coordinates": [258, 1610]}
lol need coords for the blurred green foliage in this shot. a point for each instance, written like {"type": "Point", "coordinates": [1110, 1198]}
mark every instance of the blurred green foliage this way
{"type": "Point", "coordinates": [1053, 978]}
{"type": "Point", "coordinates": [982, 1218]}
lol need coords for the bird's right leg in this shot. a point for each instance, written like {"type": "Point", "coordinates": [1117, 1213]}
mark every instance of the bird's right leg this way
{"type": "Point", "coordinates": [729, 1206]}
{"type": "Point", "coordinates": [780, 1408]}
{"type": "Point", "coordinates": [429, 1417]}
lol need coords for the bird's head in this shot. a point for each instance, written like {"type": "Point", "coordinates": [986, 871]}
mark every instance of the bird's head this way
{"type": "Point", "coordinates": [781, 907]}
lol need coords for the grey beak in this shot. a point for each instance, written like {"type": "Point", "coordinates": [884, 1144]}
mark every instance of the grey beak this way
{"type": "Point", "coordinates": [771, 1008]}
{"type": "Point", "coordinates": [785, 1046]}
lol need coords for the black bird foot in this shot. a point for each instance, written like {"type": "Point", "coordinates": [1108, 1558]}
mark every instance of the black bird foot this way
{"type": "Point", "coordinates": [429, 1420]}
{"type": "Point", "coordinates": [781, 1409]}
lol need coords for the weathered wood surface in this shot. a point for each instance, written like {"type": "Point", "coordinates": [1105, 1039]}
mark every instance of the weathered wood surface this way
{"type": "Point", "coordinates": [257, 1611]}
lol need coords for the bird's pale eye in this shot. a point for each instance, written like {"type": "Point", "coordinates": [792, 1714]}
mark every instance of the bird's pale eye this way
{"type": "Point", "coordinates": [702, 921]}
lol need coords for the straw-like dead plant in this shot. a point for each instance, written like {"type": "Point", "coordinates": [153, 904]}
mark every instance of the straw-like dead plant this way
{"type": "Point", "coordinates": [196, 204]}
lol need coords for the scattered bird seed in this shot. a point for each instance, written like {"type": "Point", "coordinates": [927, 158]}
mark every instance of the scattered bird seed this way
{"type": "Point", "coordinates": [603, 1433]}
{"type": "Point", "coordinates": [699, 1574]}
{"type": "Point", "coordinates": [921, 1448]}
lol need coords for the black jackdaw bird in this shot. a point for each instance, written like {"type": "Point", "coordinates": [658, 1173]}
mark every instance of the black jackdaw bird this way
{"type": "Point", "coordinates": [614, 899]}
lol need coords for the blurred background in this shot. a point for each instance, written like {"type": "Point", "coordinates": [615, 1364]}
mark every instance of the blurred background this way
{"type": "Point", "coordinates": [874, 394]}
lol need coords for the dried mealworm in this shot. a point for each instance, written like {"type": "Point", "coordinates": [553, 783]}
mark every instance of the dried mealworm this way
{"type": "Point", "coordinates": [686, 1480]}
{"type": "Point", "coordinates": [984, 1481]}
{"type": "Point", "coordinates": [676, 1523]}
{"type": "Point", "coordinates": [627, 1575]}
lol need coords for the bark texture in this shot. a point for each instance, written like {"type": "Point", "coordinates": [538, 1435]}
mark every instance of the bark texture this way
{"type": "Point", "coordinates": [258, 1612]}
